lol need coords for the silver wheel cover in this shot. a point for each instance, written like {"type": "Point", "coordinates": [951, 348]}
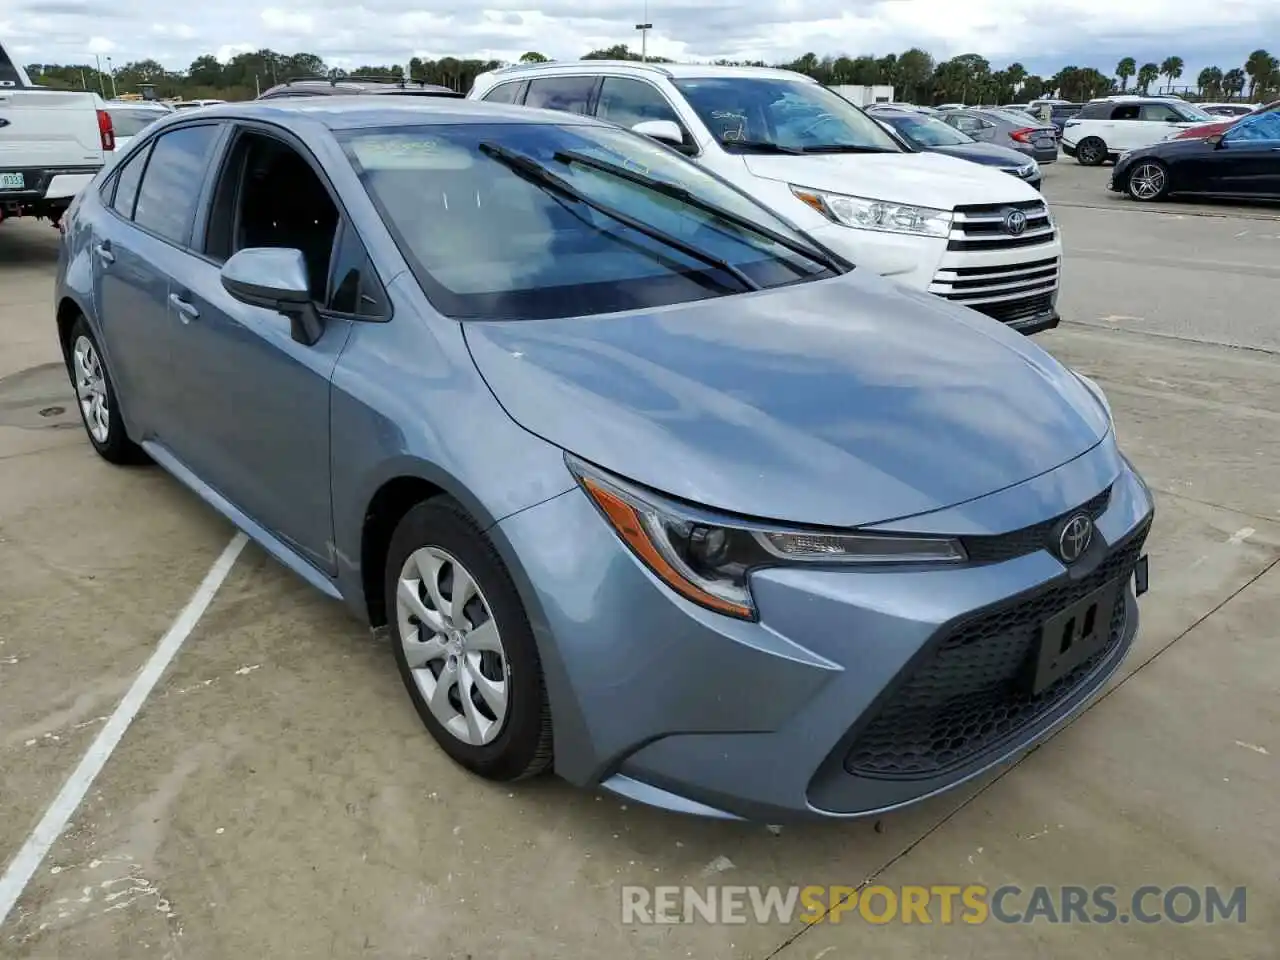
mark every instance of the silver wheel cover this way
{"type": "Point", "coordinates": [91, 389]}
{"type": "Point", "coordinates": [452, 646]}
{"type": "Point", "coordinates": [1147, 181]}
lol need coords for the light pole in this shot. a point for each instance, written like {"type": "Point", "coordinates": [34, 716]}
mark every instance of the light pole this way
{"type": "Point", "coordinates": [644, 29]}
{"type": "Point", "coordinates": [112, 70]}
{"type": "Point", "coordinates": [102, 87]}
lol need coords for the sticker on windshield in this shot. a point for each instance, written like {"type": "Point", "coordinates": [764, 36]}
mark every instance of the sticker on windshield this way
{"type": "Point", "coordinates": [409, 152]}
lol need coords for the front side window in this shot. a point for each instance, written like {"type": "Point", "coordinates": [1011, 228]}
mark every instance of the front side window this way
{"type": "Point", "coordinates": [171, 187]}
{"type": "Point", "coordinates": [487, 241]}
{"type": "Point", "coordinates": [627, 102]}
{"type": "Point", "coordinates": [1158, 112]}
{"type": "Point", "coordinates": [755, 114]}
{"type": "Point", "coordinates": [928, 131]}
{"type": "Point", "coordinates": [1262, 126]}
{"type": "Point", "coordinates": [568, 94]}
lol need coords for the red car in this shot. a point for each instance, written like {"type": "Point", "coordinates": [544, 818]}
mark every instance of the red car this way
{"type": "Point", "coordinates": [1209, 129]}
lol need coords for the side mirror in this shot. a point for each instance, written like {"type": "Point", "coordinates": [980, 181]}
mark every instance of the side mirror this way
{"type": "Point", "coordinates": [1215, 141]}
{"type": "Point", "coordinates": [664, 131]}
{"type": "Point", "coordinates": [275, 278]}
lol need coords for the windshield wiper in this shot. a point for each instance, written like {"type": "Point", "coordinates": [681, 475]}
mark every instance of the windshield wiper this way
{"type": "Point", "coordinates": [684, 195]}
{"type": "Point", "coordinates": [843, 148]}
{"type": "Point", "coordinates": [760, 146]}
{"type": "Point", "coordinates": [529, 169]}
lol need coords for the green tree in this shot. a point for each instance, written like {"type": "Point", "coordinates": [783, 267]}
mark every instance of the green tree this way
{"type": "Point", "coordinates": [1233, 81]}
{"type": "Point", "coordinates": [205, 71]}
{"type": "Point", "coordinates": [914, 70]}
{"type": "Point", "coordinates": [1260, 66]}
{"type": "Point", "coordinates": [533, 56]}
{"type": "Point", "coordinates": [1147, 75]}
{"type": "Point", "coordinates": [1125, 69]}
{"type": "Point", "coordinates": [1171, 68]}
{"type": "Point", "coordinates": [1033, 87]}
{"type": "Point", "coordinates": [1209, 81]}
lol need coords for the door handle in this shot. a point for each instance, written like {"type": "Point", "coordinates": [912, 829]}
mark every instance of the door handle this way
{"type": "Point", "coordinates": [185, 310]}
{"type": "Point", "coordinates": [104, 253]}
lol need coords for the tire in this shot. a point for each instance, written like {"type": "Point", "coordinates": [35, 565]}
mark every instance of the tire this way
{"type": "Point", "coordinates": [1147, 181]}
{"type": "Point", "coordinates": [1091, 152]}
{"type": "Point", "coordinates": [437, 542]}
{"type": "Point", "coordinates": [97, 399]}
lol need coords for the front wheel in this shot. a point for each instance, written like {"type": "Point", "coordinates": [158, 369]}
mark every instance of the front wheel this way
{"type": "Point", "coordinates": [1148, 180]}
{"type": "Point", "coordinates": [1091, 152]}
{"type": "Point", "coordinates": [464, 646]}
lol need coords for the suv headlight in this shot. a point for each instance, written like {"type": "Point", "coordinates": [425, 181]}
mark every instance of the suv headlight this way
{"type": "Point", "coordinates": [866, 214]}
{"type": "Point", "coordinates": [707, 560]}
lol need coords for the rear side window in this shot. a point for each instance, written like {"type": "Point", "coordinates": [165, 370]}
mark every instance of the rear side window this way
{"type": "Point", "coordinates": [127, 182]}
{"type": "Point", "coordinates": [1095, 111]}
{"type": "Point", "coordinates": [569, 94]}
{"type": "Point", "coordinates": [130, 123]}
{"type": "Point", "coordinates": [171, 188]}
{"type": "Point", "coordinates": [504, 92]}
{"type": "Point", "coordinates": [1126, 111]}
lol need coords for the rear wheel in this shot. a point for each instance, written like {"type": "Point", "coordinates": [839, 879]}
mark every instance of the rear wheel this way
{"type": "Point", "coordinates": [464, 646]}
{"type": "Point", "coordinates": [96, 398]}
{"type": "Point", "coordinates": [1148, 180]}
{"type": "Point", "coordinates": [1091, 152]}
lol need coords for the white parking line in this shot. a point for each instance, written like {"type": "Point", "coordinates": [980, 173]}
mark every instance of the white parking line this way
{"type": "Point", "coordinates": [20, 871]}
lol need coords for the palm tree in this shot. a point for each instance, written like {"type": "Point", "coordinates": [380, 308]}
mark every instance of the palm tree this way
{"type": "Point", "coordinates": [1147, 73]}
{"type": "Point", "coordinates": [1171, 68]}
{"type": "Point", "coordinates": [1233, 81]}
{"type": "Point", "coordinates": [1259, 67]}
{"type": "Point", "coordinates": [1210, 81]}
{"type": "Point", "coordinates": [1125, 69]}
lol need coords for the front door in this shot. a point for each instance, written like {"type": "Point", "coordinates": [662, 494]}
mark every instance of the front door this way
{"type": "Point", "coordinates": [1247, 160]}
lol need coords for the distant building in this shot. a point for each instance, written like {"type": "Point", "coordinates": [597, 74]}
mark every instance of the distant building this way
{"type": "Point", "coordinates": [864, 96]}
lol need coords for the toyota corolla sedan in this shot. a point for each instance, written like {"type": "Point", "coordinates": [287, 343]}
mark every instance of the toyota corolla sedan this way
{"type": "Point", "coordinates": [648, 487]}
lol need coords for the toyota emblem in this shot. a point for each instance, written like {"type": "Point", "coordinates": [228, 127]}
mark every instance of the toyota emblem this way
{"type": "Point", "coordinates": [1015, 221]}
{"type": "Point", "coordinates": [1074, 540]}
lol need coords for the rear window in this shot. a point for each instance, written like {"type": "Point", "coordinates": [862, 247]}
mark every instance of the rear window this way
{"type": "Point", "coordinates": [487, 243]}
{"type": "Point", "coordinates": [131, 121]}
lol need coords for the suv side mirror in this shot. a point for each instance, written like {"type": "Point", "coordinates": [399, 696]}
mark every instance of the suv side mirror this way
{"type": "Point", "coordinates": [664, 131]}
{"type": "Point", "coordinates": [275, 278]}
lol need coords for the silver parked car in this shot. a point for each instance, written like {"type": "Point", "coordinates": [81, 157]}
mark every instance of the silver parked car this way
{"type": "Point", "coordinates": [649, 488]}
{"type": "Point", "coordinates": [1008, 128]}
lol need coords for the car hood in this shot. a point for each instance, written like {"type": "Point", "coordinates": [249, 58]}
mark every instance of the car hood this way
{"type": "Point", "coordinates": [927, 179]}
{"type": "Point", "coordinates": [1200, 130]}
{"type": "Point", "coordinates": [988, 154]}
{"type": "Point", "coordinates": [843, 402]}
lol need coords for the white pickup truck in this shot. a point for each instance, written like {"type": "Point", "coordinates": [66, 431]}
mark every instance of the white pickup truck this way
{"type": "Point", "coordinates": [52, 143]}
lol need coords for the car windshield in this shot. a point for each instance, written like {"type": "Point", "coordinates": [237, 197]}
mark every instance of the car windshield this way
{"type": "Point", "coordinates": [1189, 112]}
{"type": "Point", "coordinates": [525, 221]}
{"type": "Point", "coordinates": [775, 114]}
{"type": "Point", "coordinates": [927, 131]}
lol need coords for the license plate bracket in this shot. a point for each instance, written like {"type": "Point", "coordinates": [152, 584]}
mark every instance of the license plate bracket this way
{"type": "Point", "coordinates": [1072, 636]}
{"type": "Point", "coordinates": [12, 181]}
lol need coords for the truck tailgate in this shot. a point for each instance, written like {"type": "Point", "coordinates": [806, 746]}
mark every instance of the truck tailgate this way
{"type": "Point", "coordinates": [48, 128]}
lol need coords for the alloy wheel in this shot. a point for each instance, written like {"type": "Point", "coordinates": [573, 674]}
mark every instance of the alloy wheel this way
{"type": "Point", "coordinates": [91, 389]}
{"type": "Point", "coordinates": [1147, 181]}
{"type": "Point", "coordinates": [452, 645]}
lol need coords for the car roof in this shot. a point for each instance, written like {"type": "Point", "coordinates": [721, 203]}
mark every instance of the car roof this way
{"type": "Point", "coordinates": [337, 86]}
{"type": "Point", "coordinates": [358, 112]}
{"type": "Point", "coordinates": [674, 71]}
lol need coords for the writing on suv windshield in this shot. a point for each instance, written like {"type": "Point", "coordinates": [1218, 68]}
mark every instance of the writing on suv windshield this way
{"type": "Point", "coordinates": [778, 115]}
{"type": "Point", "coordinates": [526, 221]}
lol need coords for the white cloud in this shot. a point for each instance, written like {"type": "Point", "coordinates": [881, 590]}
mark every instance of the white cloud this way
{"type": "Point", "coordinates": [1044, 35]}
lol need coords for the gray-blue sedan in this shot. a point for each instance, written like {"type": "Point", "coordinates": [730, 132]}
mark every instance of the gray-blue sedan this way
{"type": "Point", "coordinates": [648, 487]}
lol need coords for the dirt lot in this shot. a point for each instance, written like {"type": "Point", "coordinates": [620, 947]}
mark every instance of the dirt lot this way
{"type": "Point", "coordinates": [277, 796]}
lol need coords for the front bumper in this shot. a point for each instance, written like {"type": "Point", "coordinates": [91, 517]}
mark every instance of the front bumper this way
{"type": "Point", "coordinates": [1068, 148]}
{"type": "Point", "coordinates": [664, 702]}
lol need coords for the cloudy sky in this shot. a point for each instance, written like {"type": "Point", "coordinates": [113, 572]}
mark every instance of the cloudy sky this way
{"type": "Point", "coordinates": [1042, 35]}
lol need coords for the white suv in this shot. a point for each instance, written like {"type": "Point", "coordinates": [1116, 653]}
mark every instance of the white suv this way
{"type": "Point", "coordinates": [1110, 126]}
{"type": "Point", "coordinates": [970, 234]}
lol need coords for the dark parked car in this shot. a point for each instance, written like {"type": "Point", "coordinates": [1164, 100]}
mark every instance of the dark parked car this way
{"type": "Point", "coordinates": [1241, 163]}
{"type": "Point", "coordinates": [354, 86]}
{"type": "Point", "coordinates": [1008, 128]}
{"type": "Point", "coordinates": [647, 486]}
{"type": "Point", "coordinates": [931, 134]}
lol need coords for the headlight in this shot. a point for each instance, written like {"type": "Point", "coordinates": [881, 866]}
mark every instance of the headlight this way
{"type": "Point", "coordinates": [707, 560]}
{"type": "Point", "coordinates": [866, 214]}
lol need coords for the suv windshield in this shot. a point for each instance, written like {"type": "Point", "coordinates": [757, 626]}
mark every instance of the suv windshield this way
{"type": "Point", "coordinates": [775, 114]}
{"type": "Point", "coordinates": [926, 131]}
{"type": "Point", "coordinates": [526, 221]}
{"type": "Point", "coordinates": [1190, 112]}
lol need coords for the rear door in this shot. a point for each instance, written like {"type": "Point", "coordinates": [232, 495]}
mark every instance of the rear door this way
{"type": "Point", "coordinates": [139, 245]}
{"type": "Point", "coordinates": [42, 130]}
{"type": "Point", "coordinates": [1122, 130]}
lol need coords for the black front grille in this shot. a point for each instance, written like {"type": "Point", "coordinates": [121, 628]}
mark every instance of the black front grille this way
{"type": "Point", "coordinates": [969, 693]}
{"type": "Point", "coordinates": [1007, 546]}
{"type": "Point", "coordinates": [1010, 311]}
